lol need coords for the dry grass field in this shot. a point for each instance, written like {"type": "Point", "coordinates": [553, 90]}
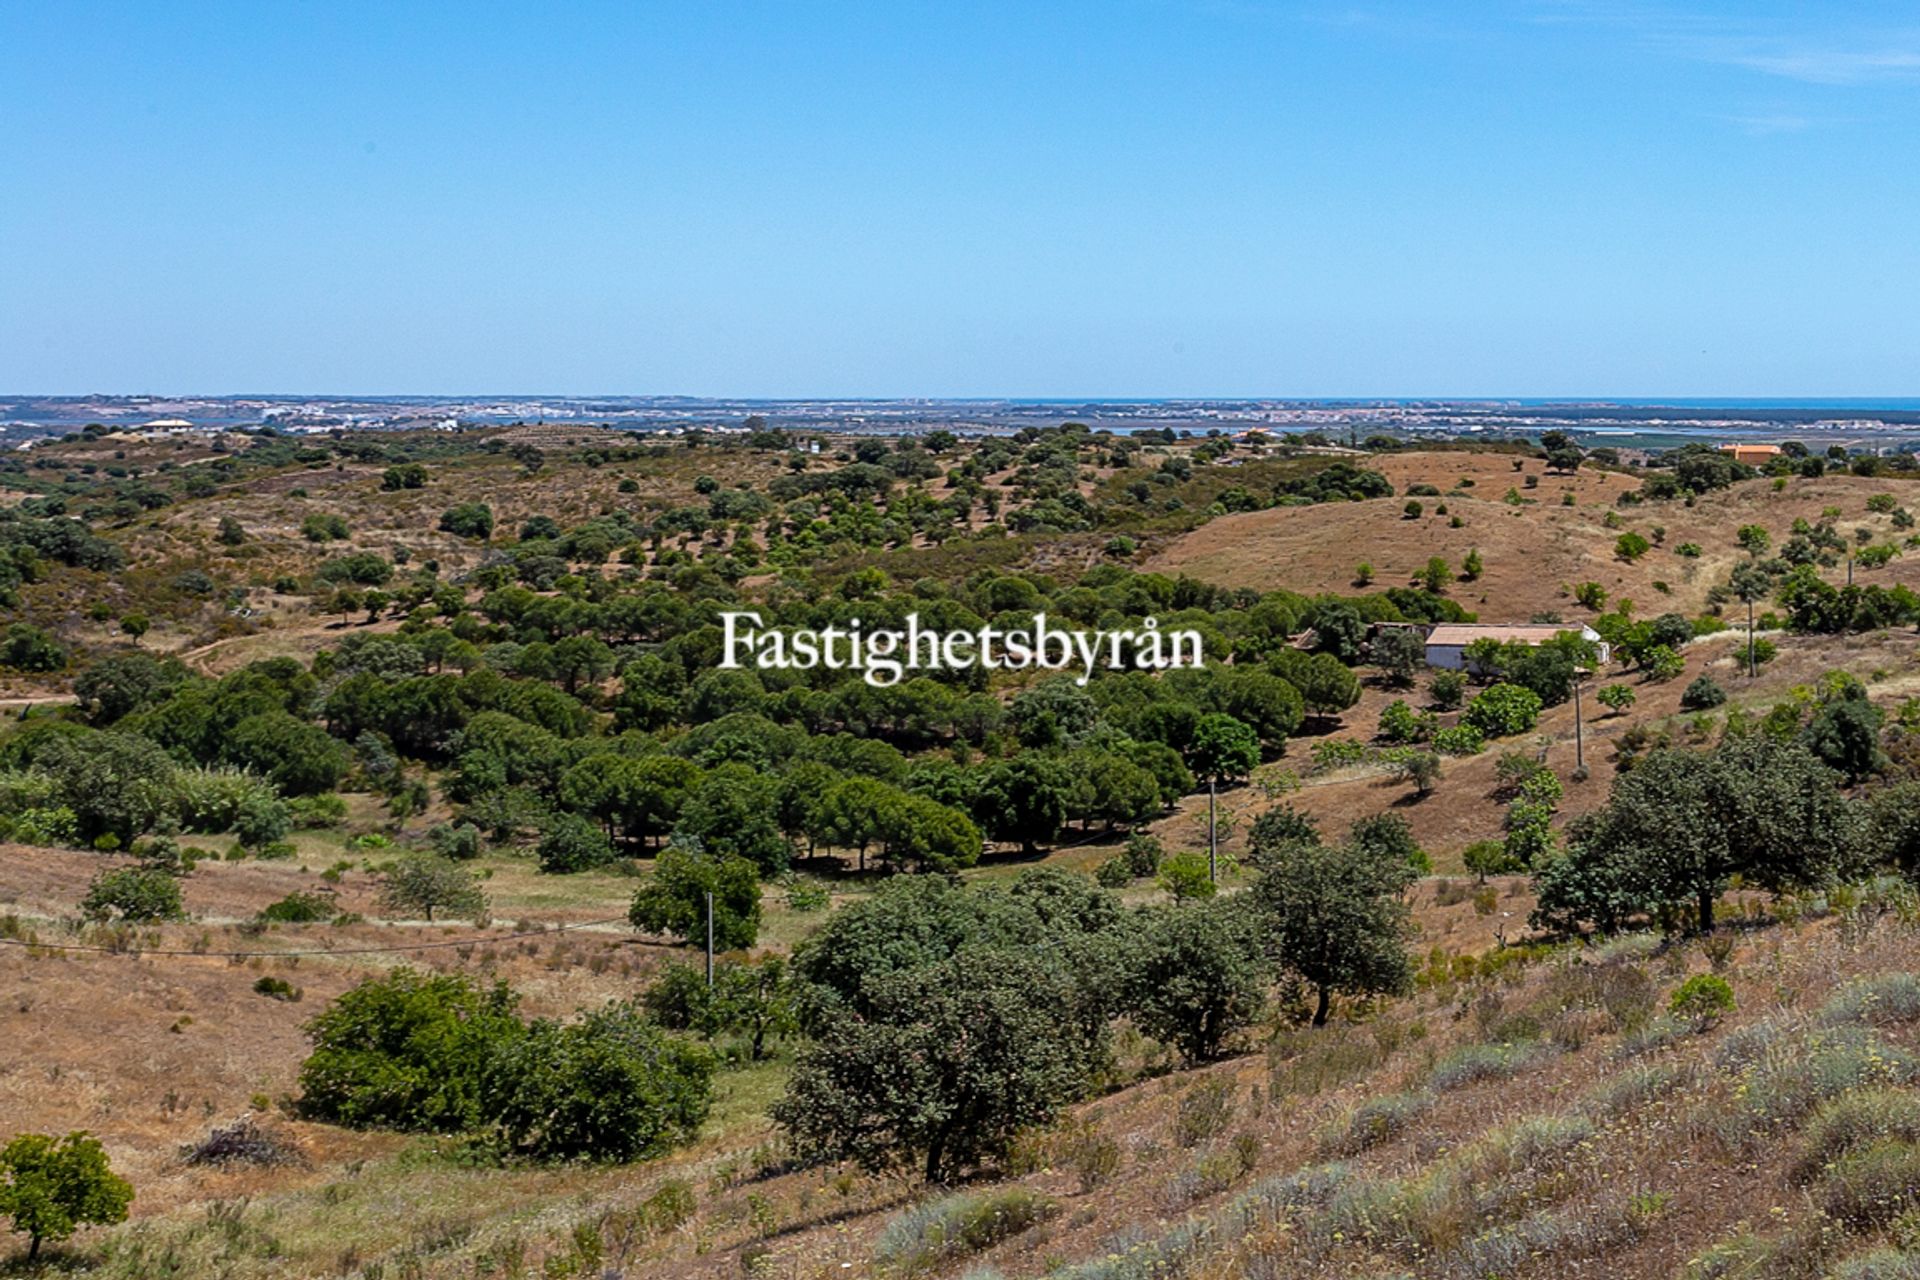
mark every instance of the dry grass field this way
{"type": "Point", "coordinates": [1535, 553]}
{"type": "Point", "coordinates": [1531, 1111]}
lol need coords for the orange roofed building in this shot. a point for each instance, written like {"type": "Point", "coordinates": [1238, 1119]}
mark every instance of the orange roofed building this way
{"type": "Point", "coordinates": [1752, 455]}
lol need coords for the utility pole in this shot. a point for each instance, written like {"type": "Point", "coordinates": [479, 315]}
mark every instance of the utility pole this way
{"type": "Point", "coordinates": [1752, 668]}
{"type": "Point", "coordinates": [709, 937]}
{"type": "Point", "coordinates": [1213, 836]}
{"type": "Point", "coordinates": [1579, 738]}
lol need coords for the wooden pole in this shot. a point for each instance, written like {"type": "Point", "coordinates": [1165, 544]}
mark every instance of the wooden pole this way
{"type": "Point", "coordinates": [1213, 837]}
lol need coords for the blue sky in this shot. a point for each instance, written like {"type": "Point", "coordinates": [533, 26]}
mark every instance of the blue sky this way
{"type": "Point", "coordinates": [1130, 197]}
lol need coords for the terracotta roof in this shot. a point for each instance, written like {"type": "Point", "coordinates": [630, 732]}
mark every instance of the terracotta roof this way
{"type": "Point", "coordinates": [1468, 632]}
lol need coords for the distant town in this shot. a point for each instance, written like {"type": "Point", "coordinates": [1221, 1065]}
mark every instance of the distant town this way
{"type": "Point", "coordinates": [1876, 426]}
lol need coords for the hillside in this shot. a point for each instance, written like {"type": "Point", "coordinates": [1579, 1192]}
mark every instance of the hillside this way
{"type": "Point", "coordinates": [411, 757]}
{"type": "Point", "coordinates": [1535, 552]}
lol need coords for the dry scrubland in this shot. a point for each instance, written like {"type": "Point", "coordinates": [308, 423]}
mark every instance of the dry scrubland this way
{"type": "Point", "coordinates": [1535, 553]}
{"type": "Point", "coordinates": [1544, 1117]}
{"type": "Point", "coordinates": [1529, 1112]}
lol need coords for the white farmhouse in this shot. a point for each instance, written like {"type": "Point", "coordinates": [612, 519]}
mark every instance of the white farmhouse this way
{"type": "Point", "coordinates": [1447, 643]}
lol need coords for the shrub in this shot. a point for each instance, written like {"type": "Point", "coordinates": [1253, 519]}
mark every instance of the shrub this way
{"type": "Point", "coordinates": [428, 884]}
{"type": "Point", "coordinates": [1447, 689]}
{"type": "Point", "coordinates": [1184, 876]}
{"type": "Point", "coordinates": [407, 1051]}
{"type": "Point", "coordinates": [211, 799]}
{"type": "Point", "coordinates": [1204, 1112]}
{"type": "Point", "coordinates": [1459, 740]}
{"type": "Point", "coordinates": [569, 843]}
{"type": "Point", "coordinates": [1874, 1185]}
{"type": "Point", "coordinates": [460, 841]}
{"type": "Point", "coordinates": [1476, 1062]}
{"type": "Point", "coordinates": [299, 907]}
{"type": "Point", "coordinates": [1651, 1036]}
{"type": "Point", "coordinates": [1617, 698]}
{"type": "Point", "coordinates": [1093, 1155]}
{"type": "Point", "coordinates": [936, 1232]}
{"type": "Point", "coordinates": [808, 895]}
{"type": "Point", "coordinates": [610, 1087]}
{"type": "Point", "coordinates": [1854, 1120]}
{"type": "Point", "coordinates": [1503, 710]}
{"type": "Point", "coordinates": [277, 988]}
{"type": "Point", "coordinates": [133, 894]}
{"type": "Point", "coordinates": [314, 812]}
{"type": "Point", "coordinates": [261, 819]}
{"type": "Point", "coordinates": [1625, 1092]}
{"type": "Point", "coordinates": [1792, 1077]}
{"type": "Point", "coordinates": [1374, 1122]}
{"type": "Point", "coordinates": [1889, 998]}
{"type": "Point", "coordinates": [468, 520]}
{"type": "Point", "coordinates": [1879, 1264]}
{"type": "Point", "coordinates": [1704, 693]}
{"type": "Point", "coordinates": [1702, 1000]}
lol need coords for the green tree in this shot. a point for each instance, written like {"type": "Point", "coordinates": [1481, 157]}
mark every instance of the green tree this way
{"type": "Point", "coordinates": [569, 843]}
{"type": "Point", "coordinates": [1390, 836]}
{"type": "Point", "coordinates": [754, 1001]}
{"type": "Point", "coordinates": [950, 1063]}
{"type": "Point", "coordinates": [297, 757]}
{"type": "Point", "coordinates": [610, 1087]}
{"type": "Point", "coordinates": [1223, 749]}
{"type": "Point", "coordinates": [1503, 710]}
{"type": "Point", "coordinates": [1845, 734]}
{"type": "Point", "coordinates": [1631, 546]}
{"type": "Point", "coordinates": [135, 625]}
{"type": "Point", "coordinates": [116, 783]}
{"type": "Point", "coordinates": [734, 812]}
{"type": "Point", "coordinates": [468, 520]}
{"type": "Point", "coordinates": [408, 475]}
{"type": "Point", "coordinates": [407, 1051]}
{"type": "Point", "coordinates": [1473, 566]}
{"type": "Point", "coordinates": [1334, 916]}
{"type": "Point", "coordinates": [133, 894]}
{"type": "Point", "coordinates": [28, 648]}
{"type": "Point", "coordinates": [1192, 976]}
{"type": "Point", "coordinates": [1616, 698]}
{"type": "Point", "coordinates": [674, 900]}
{"type": "Point", "coordinates": [426, 884]}
{"type": "Point", "coordinates": [1399, 652]}
{"type": "Point", "coordinates": [1680, 825]}
{"type": "Point", "coordinates": [1435, 577]}
{"type": "Point", "coordinates": [54, 1185]}
{"type": "Point", "coordinates": [1024, 800]}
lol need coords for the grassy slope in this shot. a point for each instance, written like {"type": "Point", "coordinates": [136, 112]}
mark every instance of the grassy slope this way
{"type": "Point", "coordinates": [113, 1061]}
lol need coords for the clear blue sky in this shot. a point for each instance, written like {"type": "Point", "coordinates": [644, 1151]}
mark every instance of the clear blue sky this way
{"type": "Point", "coordinates": [1120, 197]}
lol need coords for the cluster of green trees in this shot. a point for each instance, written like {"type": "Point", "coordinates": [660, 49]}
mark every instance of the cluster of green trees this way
{"type": "Point", "coordinates": [441, 1054]}
{"type": "Point", "coordinates": [944, 1018]}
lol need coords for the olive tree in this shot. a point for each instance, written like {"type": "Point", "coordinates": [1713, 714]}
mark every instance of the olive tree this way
{"type": "Point", "coordinates": [51, 1186]}
{"type": "Point", "coordinates": [1334, 916]}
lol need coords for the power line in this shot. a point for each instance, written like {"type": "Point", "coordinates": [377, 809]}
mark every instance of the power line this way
{"type": "Point", "coordinates": [333, 951]}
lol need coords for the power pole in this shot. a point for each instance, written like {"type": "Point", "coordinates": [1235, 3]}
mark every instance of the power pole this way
{"type": "Point", "coordinates": [1213, 835]}
{"type": "Point", "coordinates": [1752, 668]}
{"type": "Point", "coordinates": [1579, 739]}
{"type": "Point", "coordinates": [709, 937]}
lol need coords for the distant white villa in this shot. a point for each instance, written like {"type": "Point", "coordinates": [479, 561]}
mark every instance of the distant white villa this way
{"type": "Point", "coordinates": [1447, 643]}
